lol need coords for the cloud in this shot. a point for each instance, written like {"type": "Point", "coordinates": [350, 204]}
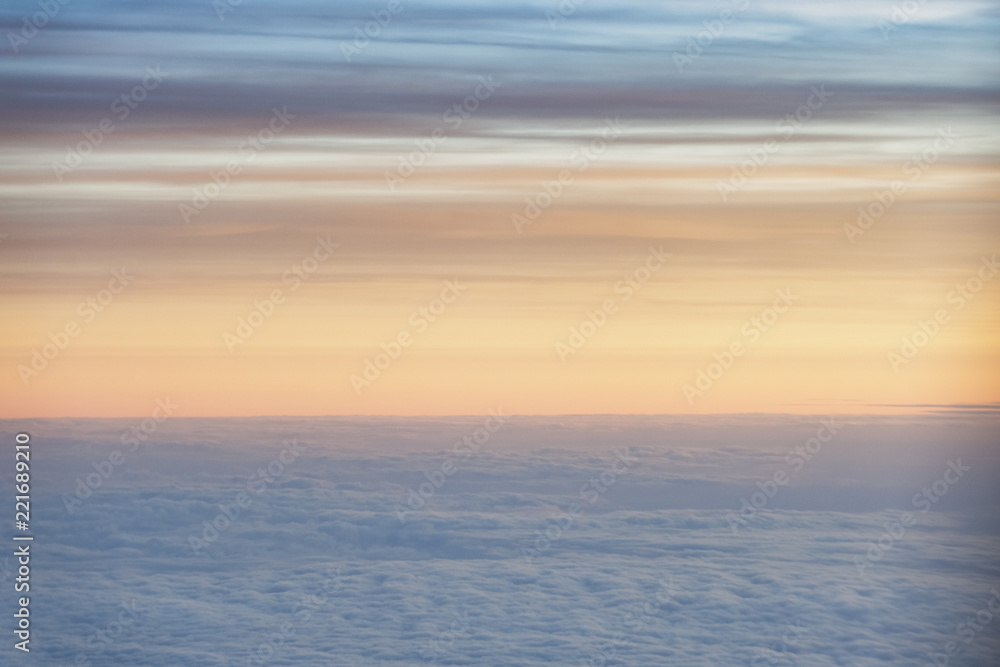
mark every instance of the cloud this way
{"type": "Point", "coordinates": [320, 551]}
{"type": "Point", "coordinates": [432, 52]}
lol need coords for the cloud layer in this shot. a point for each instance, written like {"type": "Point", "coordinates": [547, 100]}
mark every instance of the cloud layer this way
{"type": "Point", "coordinates": [496, 567]}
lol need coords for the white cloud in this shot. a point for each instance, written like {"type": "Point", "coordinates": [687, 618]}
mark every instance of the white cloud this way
{"type": "Point", "coordinates": [450, 587]}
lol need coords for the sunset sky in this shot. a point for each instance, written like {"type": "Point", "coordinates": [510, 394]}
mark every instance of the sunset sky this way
{"type": "Point", "coordinates": [676, 170]}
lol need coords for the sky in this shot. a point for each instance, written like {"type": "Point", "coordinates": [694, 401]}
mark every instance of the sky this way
{"type": "Point", "coordinates": [257, 208]}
